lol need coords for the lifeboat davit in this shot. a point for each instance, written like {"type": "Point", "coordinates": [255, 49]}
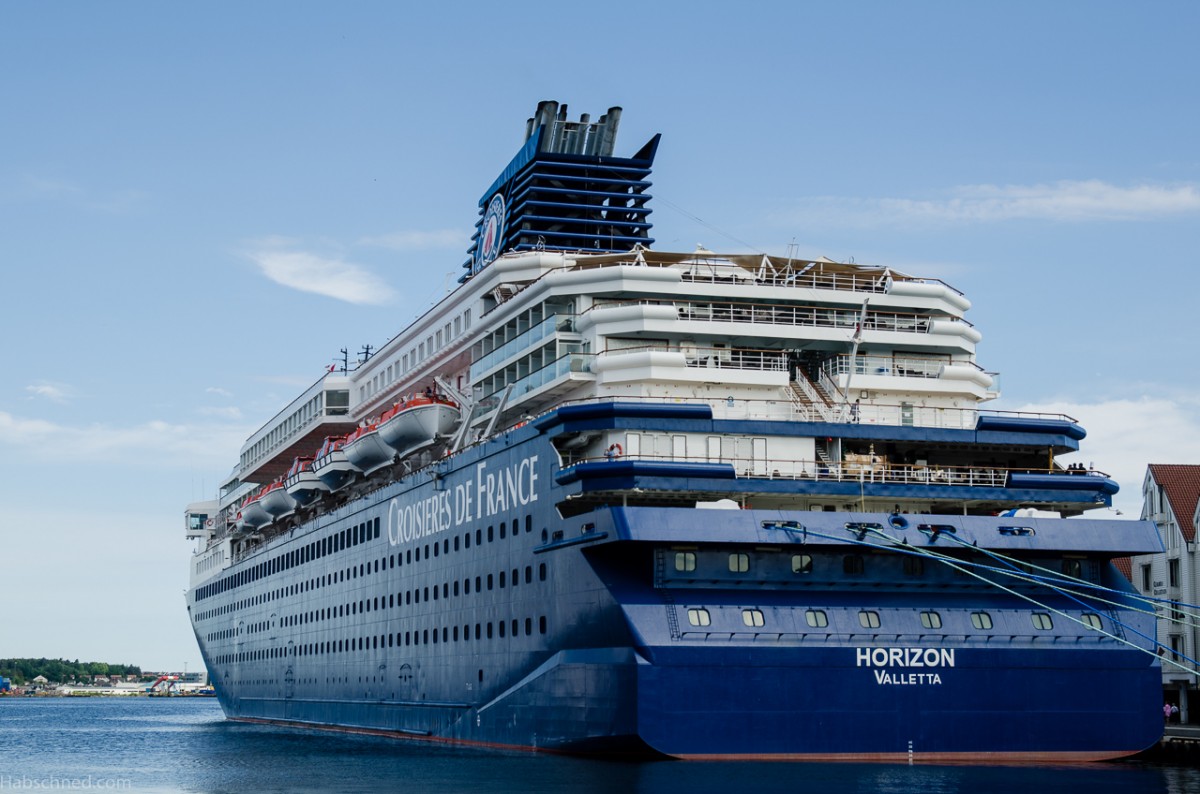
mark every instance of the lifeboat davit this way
{"type": "Point", "coordinates": [276, 500]}
{"type": "Point", "coordinates": [253, 514]}
{"type": "Point", "coordinates": [407, 426]}
{"type": "Point", "coordinates": [302, 483]}
{"type": "Point", "coordinates": [331, 465]}
{"type": "Point", "coordinates": [366, 450]}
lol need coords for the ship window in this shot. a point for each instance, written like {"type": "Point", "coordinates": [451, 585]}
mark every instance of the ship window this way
{"type": "Point", "coordinates": [931, 620]}
{"type": "Point", "coordinates": [528, 524]}
{"type": "Point", "coordinates": [491, 534]}
{"type": "Point", "coordinates": [502, 578]}
{"type": "Point", "coordinates": [699, 617]}
{"type": "Point", "coordinates": [456, 588]}
{"type": "Point", "coordinates": [478, 584]}
{"type": "Point", "coordinates": [1041, 621]}
{"type": "Point", "coordinates": [913, 566]}
{"type": "Point", "coordinates": [684, 561]}
{"type": "Point", "coordinates": [852, 564]}
{"type": "Point", "coordinates": [376, 529]}
{"type": "Point", "coordinates": [752, 617]}
{"type": "Point", "coordinates": [802, 563]}
{"type": "Point", "coordinates": [868, 619]}
{"type": "Point", "coordinates": [1072, 568]}
{"type": "Point", "coordinates": [489, 630]}
{"type": "Point", "coordinates": [1092, 621]}
{"type": "Point", "coordinates": [467, 539]}
{"type": "Point", "coordinates": [489, 581]}
{"type": "Point", "coordinates": [435, 550]}
{"type": "Point", "coordinates": [478, 536]}
{"type": "Point", "coordinates": [739, 563]}
{"type": "Point", "coordinates": [816, 618]}
{"type": "Point", "coordinates": [456, 542]}
{"type": "Point", "coordinates": [528, 574]}
{"type": "Point", "coordinates": [466, 586]}
{"type": "Point", "coordinates": [542, 572]}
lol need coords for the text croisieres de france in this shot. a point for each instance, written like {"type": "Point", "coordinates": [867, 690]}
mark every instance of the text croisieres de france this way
{"type": "Point", "coordinates": [486, 494]}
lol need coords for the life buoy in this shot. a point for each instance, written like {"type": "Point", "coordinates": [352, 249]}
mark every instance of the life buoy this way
{"type": "Point", "coordinates": [210, 523]}
{"type": "Point", "coordinates": [614, 451]}
{"type": "Point", "coordinates": [898, 521]}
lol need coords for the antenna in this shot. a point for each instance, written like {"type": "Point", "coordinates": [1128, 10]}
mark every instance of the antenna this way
{"type": "Point", "coordinates": [345, 360]}
{"type": "Point", "coordinates": [364, 355]}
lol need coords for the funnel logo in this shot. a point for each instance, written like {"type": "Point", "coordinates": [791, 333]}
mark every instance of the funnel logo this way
{"type": "Point", "coordinates": [490, 233]}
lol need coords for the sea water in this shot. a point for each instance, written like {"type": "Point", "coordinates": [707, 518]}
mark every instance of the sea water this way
{"type": "Point", "coordinates": [186, 745]}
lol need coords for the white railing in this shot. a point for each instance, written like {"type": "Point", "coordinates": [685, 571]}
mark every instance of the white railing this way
{"type": "Point", "coordinates": [846, 471]}
{"type": "Point", "coordinates": [789, 315]}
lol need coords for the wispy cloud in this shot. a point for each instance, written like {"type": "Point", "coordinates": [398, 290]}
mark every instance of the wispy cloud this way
{"type": "Point", "coordinates": [153, 443]}
{"type": "Point", "coordinates": [45, 390]}
{"type": "Point", "coordinates": [37, 188]}
{"type": "Point", "coordinates": [1126, 435]}
{"type": "Point", "coordinates": [1063, 202]}
{"type": "Point", "coordinates": [217, 390]}
{"type": "Point", "coordinates": [228, 412]}
{"type": "Point", "coordinates": [419, 240]}
{"type": "Point", "coordinates": [321, 275]}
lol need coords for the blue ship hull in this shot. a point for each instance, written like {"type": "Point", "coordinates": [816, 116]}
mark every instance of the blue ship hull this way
{"type": "Point", "coordinates": [460, 605]}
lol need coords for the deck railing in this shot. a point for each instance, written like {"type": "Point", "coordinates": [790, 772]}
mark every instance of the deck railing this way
{"type": "Point", "coordinates": [848, 471]}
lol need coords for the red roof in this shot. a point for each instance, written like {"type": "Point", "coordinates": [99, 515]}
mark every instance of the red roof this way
{"type": "Point", "coordinates": [1181, 483]}
{"type": "Point", "coordinates": [1125, 566]}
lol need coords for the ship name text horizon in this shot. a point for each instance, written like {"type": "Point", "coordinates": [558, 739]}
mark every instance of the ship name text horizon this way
{"type": "Point", "coordinates": [487, 494]}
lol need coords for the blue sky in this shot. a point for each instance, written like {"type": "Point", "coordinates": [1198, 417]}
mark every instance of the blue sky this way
{"type": "Point", "coordinates": [199, 205]}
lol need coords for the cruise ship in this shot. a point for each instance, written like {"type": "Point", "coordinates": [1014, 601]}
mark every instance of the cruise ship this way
{"type": "Point", "coordinates": [607, 499]}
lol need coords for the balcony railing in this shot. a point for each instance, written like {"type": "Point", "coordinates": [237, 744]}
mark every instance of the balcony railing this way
{"type": "Point", "coordinates": [715, 357]}
{"type": "Point", "coordinates": [789, 315]}
{"type": "Point", "coordinates": [867, 473]}
{"type": "Point", "coordinates": [517, 344]}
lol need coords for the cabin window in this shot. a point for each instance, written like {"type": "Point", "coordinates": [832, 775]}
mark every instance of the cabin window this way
{"type": "Point", "coordinates": [1072, 568]}
{"type": "Point", "coordinates": [913, 566]}
{"type": "Point", "coordinates": [752, 617]}
{"type": "Point", "coordinates": [816, 618]}
{"type": "Point", "coordinates": [1041, 621]}
{"type": "Point", "coordinates": [852, 564]}
{"type": "Point", "coordinates": [739, 563]}
{"type": "Point", "coordinates": [931, 620]}
{"type": "Point", "coordinates": [802, 563]}
{"type": "Point", "coordinates": [1092, 621]}
{"type": "Point", "coordinates": [685, 561]}
{"type": "Point", "coordinates": [699, 617]}
{"type": "Point", "coordinates": [868, 619]}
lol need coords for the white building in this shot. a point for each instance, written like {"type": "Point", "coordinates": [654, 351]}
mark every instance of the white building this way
{"type": "Point", "coordinates": [1171, 494]}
